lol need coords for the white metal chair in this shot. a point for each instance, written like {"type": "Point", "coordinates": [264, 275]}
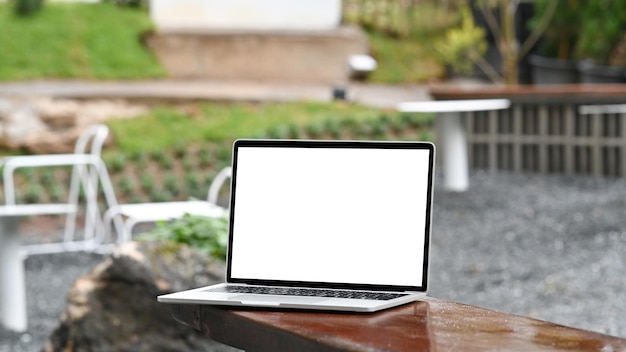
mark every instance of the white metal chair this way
{"type": "Point", "coordinates": [88, 171]}
{"type": "Point", "coordinates": [133, 214]}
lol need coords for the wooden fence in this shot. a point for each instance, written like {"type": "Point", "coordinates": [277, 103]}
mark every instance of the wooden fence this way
{"type": "Point", "coordinates": [544, 130]}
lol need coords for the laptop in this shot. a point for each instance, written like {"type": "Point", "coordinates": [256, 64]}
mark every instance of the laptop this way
{"type": "Point", "coordinates": [328, 225]}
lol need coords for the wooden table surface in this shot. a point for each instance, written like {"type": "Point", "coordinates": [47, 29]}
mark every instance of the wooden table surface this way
{"type": "Point", "coordinates": [429, 325]}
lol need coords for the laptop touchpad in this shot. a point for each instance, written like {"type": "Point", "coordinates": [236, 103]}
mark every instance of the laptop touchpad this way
{"type": "Point", "coordinates": [275, 299]}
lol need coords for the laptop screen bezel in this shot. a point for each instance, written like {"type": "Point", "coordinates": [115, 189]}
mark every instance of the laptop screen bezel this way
{"type": "Point", "coordinates": [282, 143]}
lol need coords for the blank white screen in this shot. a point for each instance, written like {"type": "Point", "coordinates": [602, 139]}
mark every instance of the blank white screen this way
{"type": "Point", "coordinates": [330, 215]}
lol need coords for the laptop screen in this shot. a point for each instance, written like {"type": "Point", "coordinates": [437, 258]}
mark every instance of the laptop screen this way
{"type": "Point", "coordinates": [344, 213]}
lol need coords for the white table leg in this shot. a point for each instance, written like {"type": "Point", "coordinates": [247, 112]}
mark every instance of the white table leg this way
{"type": "Point", "coordinates": [12, 285]}
{"type": "Point", "coordinates": [454, 145]}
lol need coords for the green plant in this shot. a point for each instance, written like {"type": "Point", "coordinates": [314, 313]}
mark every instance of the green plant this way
{"type": "Point", "coordinates": [208, 235]}
{"type": "Point", "coordinates": [294, 131]}
{"type": "Point", "coordinates": [205, 157]}
{"type": "Point", "coordinates": [33, 193]}
{"type": "Point", "coordinates": [425, 135]}
{"type": "Point", "coordinates": [180, 149]}
{"type": "Point", "coordinates": [314, 129]}
{"type": "Point", "coordinates": [188, 163]}
{"type": "Point", "coordinates": [158, 195]}
{"type": "Point", "coordinates": [602, 26]}
{"type": "Point", "coordinates": [135, 198]}
{"type": "Point", "coordinates": [130, 3]}
{"type": "Point", "coordinates": [171, 184]}
{"type": "Point", "coordinates": [380, 128]}
{"type": "Point", "coordinates": [561, 33]}
{"type": "Point", "coordinates": [137, 155]}
{"type": "Point", "coordinates": [126, 185]}
{"type": "Point", "coordinates": [192, 181]}
{"type": "Point", "coordinates": [333, 128]}
{"type": "Point", "coordinates": [224, 154]}
{"type": "Point", "coordinates": [147, 182]}
{"type": "Point", "coordinates": [56, 193]}
{"type": "Point", "coordinates": [46, 177]}
{"type": "Point", "coordinates": [28, 174]}
{"type": "Point", "coordinates": [157, 155]}
{"type": "Point", "coordinates": [117, 163]}
{"type": "Point", "coordinates": [465, 46]}
{"type": "Point", "coordinates": [166, 162]}
{"type": "Point", "coordinates": [26, 7]}
{"type": "Point", "coordinates": [363, 131]}
{"type": "Point", "coordinates": [278, 132]}
{"type": "Point", "coordinates": [401, 19]}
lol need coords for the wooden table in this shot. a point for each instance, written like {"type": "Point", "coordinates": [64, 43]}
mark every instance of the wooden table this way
{"type": "Point", "coordinates": [449, 128]}
{"type": "Point", "coordinates": [430, 325]}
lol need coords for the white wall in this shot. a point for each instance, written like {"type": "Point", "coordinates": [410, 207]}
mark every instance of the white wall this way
{"type": "Point", "coordinates": [246, 14]}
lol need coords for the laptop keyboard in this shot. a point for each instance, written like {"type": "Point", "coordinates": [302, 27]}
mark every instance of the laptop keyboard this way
{"type": "Point", "coordinates": [289, 291]}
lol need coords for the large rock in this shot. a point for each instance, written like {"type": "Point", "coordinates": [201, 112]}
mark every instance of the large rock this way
{"type": "Point", "coordinates": [18, 121]}
{"type": "Point", "coordinates": [46, 126]}
{"type": "Point", "coordinates": [114, 307]}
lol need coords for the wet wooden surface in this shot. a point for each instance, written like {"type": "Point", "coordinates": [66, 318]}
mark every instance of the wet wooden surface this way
{"type": "Point", "coordinates": [430, 325]}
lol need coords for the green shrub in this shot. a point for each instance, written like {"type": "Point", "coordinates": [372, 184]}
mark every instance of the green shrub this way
{"type": "Point", "coordinates": [157, 155]}
{"type": "Point", "coordinates": [126, 185]}
{"type": "Point", "coordinates": [137, 155]}
{"type": "Point", "coordinates": [33, 193]}
{"type": "Point", "coordinates": [224, 154]}
{"type": "Point", "coordinates": [56, 193]}
{"type": "Point", "coordinates": [188, 164]}
{"type": "Point", "coordinates": [314, 130]}
{"type": "Point", "coordinates": [26, 7]}
{"type": "Point", "coordinates": [397, 125]}
{"type": "Point", "coordinates": [171, 184]}
{"type": "Point", "coordinates": [192, 180]}
{"type": "Point", "coordinates": [208, 235]}
{"type": "Point", "coordinates": [159, 195]}
{"type": "Point", "coordinates": [425, 135]}
{"type": "Point", "coordinates": [333, 128]}
{"type": "Point", "coordinates": [278, 132]}
{"type": "Point", "coordinates": [363, 131]}
{"type": "Point", "coordinates": [147, 182]}
{"type": "Point", "coordinates": [379, 128]}
{"type": "Point", "coordinates": [180, 149]}
{"type": "Point", "coordinates": [46, 177]}
{"type": "Point", "coordinates": [205, 157]}
{"type": "Point", "coordinates": [130, 3]}
{"type": "Point", "coordinates": [166, 162]}
{"type": "Point", "coordinates": [136, 199]}
{"type": "Point", "coordinates": [28, 174]}
{"type": "Point", "coordinates": [118, 162]}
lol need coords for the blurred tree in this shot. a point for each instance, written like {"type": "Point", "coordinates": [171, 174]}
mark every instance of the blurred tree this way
{"type": "Point", "coordinates": [465, 44]}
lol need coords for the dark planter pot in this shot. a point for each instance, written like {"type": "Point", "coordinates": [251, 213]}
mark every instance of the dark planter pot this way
{"type": "Point", "coordinates": [592, 73]}
{"type": "Point", "coordinates": [546, 70]}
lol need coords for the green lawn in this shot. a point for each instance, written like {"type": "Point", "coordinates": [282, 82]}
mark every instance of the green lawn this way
{"type": "Point", "coordinates": [102, 41]}
{"type": "Point", "coordinates": [223, 123]}
{"type": "Point", "coordinates": [76, 41]}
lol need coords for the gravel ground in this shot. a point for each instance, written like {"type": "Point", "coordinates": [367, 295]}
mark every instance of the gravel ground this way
{"type": "Point", "coordinates": [548, 247]}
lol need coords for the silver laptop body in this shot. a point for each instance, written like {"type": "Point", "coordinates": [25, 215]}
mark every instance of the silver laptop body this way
{"type": "Point", "coordinates": [345, 223]}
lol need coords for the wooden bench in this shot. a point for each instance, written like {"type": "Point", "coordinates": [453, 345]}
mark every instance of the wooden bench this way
{"type": "Point", "coordinates": [430, 325]}
{"type": "Point", "coordinates": [544, 131]}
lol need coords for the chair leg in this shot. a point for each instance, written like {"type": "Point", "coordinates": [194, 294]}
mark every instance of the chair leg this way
{"type": "Point", "coordinates": [70, 219]}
